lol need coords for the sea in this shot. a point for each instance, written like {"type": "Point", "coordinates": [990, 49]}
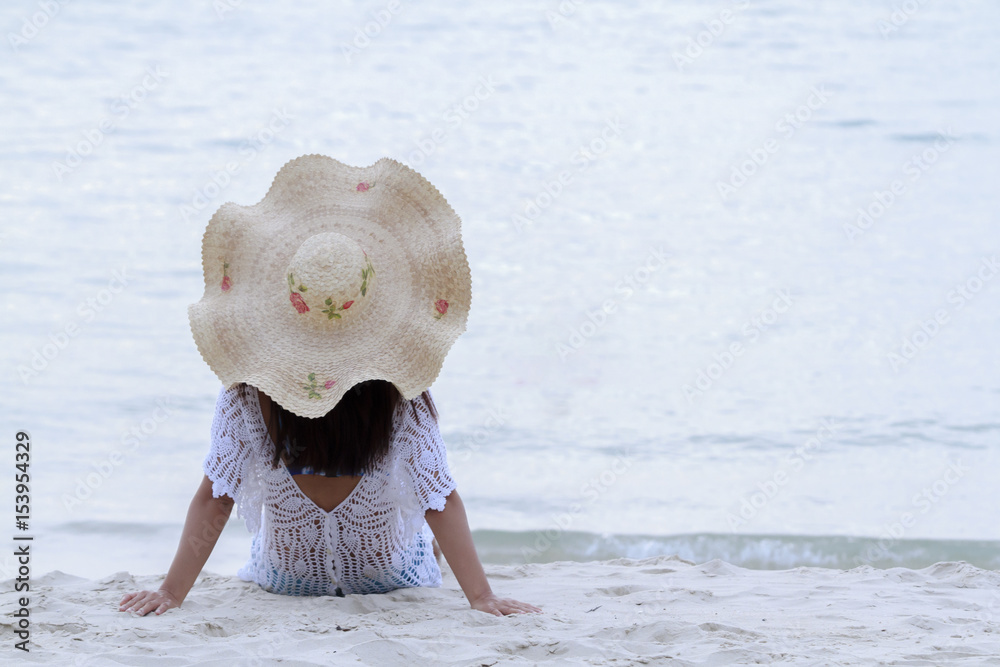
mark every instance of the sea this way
{"type": "Point", "coordinates": [736, 291]}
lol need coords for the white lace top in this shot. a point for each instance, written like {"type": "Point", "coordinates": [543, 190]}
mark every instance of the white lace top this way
{"type": "Point", "coordinates": [375, 541]}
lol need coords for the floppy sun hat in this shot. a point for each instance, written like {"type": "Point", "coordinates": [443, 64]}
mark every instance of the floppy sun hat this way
{"type": "Point", "coordinates": [338, 275]}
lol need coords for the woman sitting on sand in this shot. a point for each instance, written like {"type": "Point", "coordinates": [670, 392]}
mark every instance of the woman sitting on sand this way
{"type": "Point", "coordinates": [328, 310]}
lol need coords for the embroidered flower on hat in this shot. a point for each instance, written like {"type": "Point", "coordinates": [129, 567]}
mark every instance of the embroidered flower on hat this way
{"type": "Point", "coordinates": [364, 186]}
{"type": "Point", "coordinates": [441, 306]}
{"type": "Point", "coordinates": [313, 386]}
{"type": "Point", "coordinates": [300, 305]}
{"type": "Point", "coordinates": [366, 273]}
{"type": "Point", "coordinates": [298, 302]}
{"type": "Point", "coordinates": [227, 282]}
{"type": "Point", "coordinates": [332, 311]}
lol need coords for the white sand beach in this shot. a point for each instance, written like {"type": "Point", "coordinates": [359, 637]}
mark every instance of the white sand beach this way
{"type": "Point", "coordinates": [657, 611]}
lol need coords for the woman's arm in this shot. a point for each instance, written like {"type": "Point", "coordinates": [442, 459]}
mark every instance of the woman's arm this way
{"type": "Point", "coordinates": [206, 518]}
{"type": "Point", "coordinates": [451, 528]}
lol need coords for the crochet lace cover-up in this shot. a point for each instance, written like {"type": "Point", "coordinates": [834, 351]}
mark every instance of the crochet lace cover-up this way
{"type": "Point", "coordinates": [375, 541]}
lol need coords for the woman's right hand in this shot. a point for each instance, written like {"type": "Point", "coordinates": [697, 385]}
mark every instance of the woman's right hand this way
{"type": "Point", "coordinates": [144, 602]}
{"type": "Point", "coordinates": [205, 519]}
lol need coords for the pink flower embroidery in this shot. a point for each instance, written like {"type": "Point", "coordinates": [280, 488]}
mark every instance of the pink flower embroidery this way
{"type": "Point", "coordinates": [313, 387]}
{"type": "Point", "coordinates": [441, 306]}
{"type": "Point", "coordinates": [363, 186]}
{"type": "Point", "coordinates": [227, 282]}
{"type": "Point", "coordinates": [298, 302]}
{"type": "Point", "coordinates": [332, 310]}
{"type": "Point", "coordinates": [295, 297]}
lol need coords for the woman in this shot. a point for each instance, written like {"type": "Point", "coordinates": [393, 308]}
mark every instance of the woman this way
{"type": "Point", "coordinates": [329, 307]}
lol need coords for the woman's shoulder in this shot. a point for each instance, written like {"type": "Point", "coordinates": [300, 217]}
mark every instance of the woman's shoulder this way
{"type": "Point", "coordinates": [238, 394]}
{"type": "Point", "coordinates": [232, 392]}
{"type": "Point", "coordinates": [418, 411]}
{"type": "Point", "coordinates": [237, 405]}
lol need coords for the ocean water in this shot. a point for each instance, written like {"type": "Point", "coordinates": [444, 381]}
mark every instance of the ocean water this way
{"type": "Point", "coordinates": [735, 281]}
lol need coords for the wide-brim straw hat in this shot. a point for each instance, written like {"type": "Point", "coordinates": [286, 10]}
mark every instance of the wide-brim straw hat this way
{"type": "Point", "coordinates": [338, 275]}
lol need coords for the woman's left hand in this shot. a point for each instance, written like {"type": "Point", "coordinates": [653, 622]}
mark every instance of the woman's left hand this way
{"type": "Point", "coordinates": [491, 604]}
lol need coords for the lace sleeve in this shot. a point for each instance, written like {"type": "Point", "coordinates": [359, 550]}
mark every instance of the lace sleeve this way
{"type": "Point", "coordinates": [426, 461]}
{"type": "Point", "coordinates": [232, 460]}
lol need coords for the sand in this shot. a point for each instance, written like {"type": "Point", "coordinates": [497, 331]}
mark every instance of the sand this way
{"type": "Point", "coordinates": [658, 611]}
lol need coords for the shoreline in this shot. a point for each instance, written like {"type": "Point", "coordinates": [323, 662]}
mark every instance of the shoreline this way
{"type": "Point", "coordinates": [146, 548]}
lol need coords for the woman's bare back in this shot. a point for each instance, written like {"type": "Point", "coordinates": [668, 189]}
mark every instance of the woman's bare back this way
{"type": "Point", "coordinates": [325, 492]}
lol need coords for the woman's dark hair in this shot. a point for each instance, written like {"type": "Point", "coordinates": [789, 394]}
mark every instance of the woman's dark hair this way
{"type": "Point", "coordinates": [350, 439]}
